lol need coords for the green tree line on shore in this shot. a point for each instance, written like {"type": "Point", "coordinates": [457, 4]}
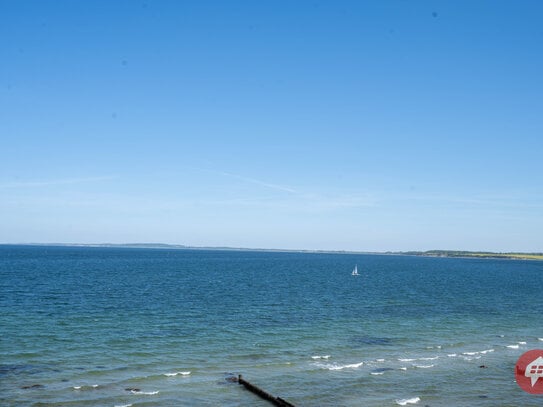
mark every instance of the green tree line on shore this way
{"type": "Point", "coordinates": [462, 253]}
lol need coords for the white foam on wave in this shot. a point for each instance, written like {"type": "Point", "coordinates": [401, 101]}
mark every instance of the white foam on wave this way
{"type": "Point", "coordinates": [91, 387]}
{"type": "Point", "coordinates": [512, 346]}
{"type": "Point", "coordinates": [415, 359]}
{"type": "Point", "coordinates": [404, 402]}
{"type": "Point", "coordinates": [380, 360]}
{"type": "Point", "coordinates": [424, 366]}
{"type": "Point", "coordinates": [377, 373]}
{"type": "Point", "coordinates": [177, 374]}
{"type": "Point", "coordinates": [452, 355]}
{"type": "Point", "coordinates": [350, 366]}
{"type": "Point", "coordinates": [402, 368]}
{"type": "Point", "coordinates": [540, 339]}
{"type": "Point", "coordinates": [522, 343]}
{"type": "Point", "coordinates": [320, 357]}
{"type": "Point", "coordinates": [147, 393]}
{"type": "Point", "coordinates": [124, 405]}
{"type": "Point", "coordinates": [341, 367]}
{"type": "Point", "coordinates": [482, 352]}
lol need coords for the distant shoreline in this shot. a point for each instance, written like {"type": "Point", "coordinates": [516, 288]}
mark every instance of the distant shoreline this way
{"type": "Point", "coordinates": [478, 255]}
{"type": "Point", "coordinates": [428, 253]}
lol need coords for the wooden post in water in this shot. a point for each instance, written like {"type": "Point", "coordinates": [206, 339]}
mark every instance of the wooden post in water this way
{"type": "Point", "coordinates": [278, 401]}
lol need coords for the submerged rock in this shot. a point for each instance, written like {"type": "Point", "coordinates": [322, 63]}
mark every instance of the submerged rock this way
{"type": "Point", "coordinates": [33, 386]}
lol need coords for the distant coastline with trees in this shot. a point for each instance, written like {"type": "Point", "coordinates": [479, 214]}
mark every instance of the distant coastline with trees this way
{"type": "Point", "coordinates": [485, 255]}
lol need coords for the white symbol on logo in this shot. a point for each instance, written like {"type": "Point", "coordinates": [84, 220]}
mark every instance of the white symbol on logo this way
{"type": "Point", "coordinates": [534, 370]}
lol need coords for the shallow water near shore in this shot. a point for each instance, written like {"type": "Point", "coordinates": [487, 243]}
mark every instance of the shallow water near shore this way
{"type": "Point", "coordinates": [86, 326]}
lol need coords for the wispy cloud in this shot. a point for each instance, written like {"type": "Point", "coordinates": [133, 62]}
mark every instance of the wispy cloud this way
{"type": "Point", "coordinates": [295, 199]}
{"type": "Point", "coordinates": [314, 203]}
{"type": "Point", "coordinates": [343, 201]}
{"type": "Point", "coordinates": [488, 201]}
{"type": "Point", "coordinates": [249, 180]}
{"type": "Point", "coordinates": [259, 182]}
{"type": "Point", "coordinates": [54, 182]}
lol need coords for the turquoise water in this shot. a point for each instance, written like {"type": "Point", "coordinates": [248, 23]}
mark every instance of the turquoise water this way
{"type": "Point", "coordinates": [138, 327]}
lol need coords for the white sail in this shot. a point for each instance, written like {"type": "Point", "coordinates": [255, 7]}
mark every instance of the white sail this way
{"type": "Point", "coordinates": [355, 271]}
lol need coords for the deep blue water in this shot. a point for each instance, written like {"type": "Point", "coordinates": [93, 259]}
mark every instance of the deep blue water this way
{"type": "Point", "coordinates": [80, 326]}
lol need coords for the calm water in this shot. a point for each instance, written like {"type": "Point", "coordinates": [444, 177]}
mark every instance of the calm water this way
{"type": "Point", "coordinates": [136, 327]}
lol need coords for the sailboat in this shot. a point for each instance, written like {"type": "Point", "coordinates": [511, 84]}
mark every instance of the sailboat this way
{"type": "Point", "coordinates": [355, 271]}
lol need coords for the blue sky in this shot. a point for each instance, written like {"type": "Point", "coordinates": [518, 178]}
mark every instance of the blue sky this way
{"type": "Point", "coordinates": [345, 125]}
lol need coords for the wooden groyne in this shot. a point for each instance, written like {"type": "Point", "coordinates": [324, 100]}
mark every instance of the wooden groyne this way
{"type": "Point", "coordinates": [277, 401]}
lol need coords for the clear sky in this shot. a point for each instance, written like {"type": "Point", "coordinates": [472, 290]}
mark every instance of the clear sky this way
{"type": "Point", "coordinates": [355, 125]}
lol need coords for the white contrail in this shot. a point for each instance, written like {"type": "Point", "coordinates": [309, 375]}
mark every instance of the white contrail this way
{"type": "Point", "coordinates": [259, 182]}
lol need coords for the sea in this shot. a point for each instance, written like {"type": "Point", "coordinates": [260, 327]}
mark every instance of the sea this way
{"type": "Point", "coordinates": [98, 326]}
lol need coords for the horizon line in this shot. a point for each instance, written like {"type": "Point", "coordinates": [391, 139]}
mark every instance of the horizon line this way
{"type": "Point", "coordinates": [157, 245]}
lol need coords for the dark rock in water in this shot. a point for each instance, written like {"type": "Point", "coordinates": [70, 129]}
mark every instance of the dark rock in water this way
{"type": "Point", "coordinates": [483, 366]}
{"type": "Point", "coordinates": [483, 397]}
{"type": "Point", "coordinates": [34, 386]}
{"type": "Point", "coordinates": [230, 377]}
{"type": "Point", "coordinates": [134, 389]}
